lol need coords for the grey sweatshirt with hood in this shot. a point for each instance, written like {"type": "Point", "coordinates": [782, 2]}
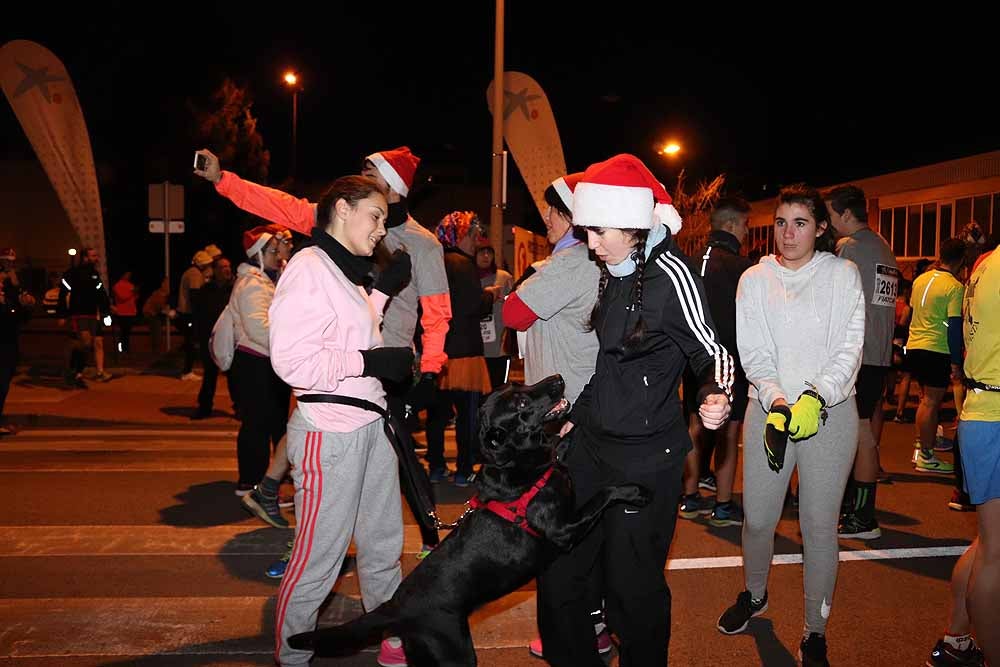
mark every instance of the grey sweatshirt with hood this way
{"type": "Point", "coordinates": [797, 329]}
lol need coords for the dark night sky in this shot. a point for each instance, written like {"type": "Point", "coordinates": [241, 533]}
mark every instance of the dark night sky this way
{"type": "Point", "coordinates": [768, 99]}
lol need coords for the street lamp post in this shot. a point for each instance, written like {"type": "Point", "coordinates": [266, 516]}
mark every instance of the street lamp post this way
{"type": "Point", "coordinates": [292, 80]}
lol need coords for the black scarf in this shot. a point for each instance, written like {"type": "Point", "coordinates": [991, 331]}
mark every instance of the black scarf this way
{"type": "Point", "coordinates": [354, 267]}
{"type": "Point", "coordinates": [398, 213]}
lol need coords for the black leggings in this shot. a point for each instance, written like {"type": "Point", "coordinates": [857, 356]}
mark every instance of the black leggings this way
{"type": "Point", "coordinates": [263, 411]}
{"type": "Point", "coordinates": [621, 560]}
{"type": "Point", "coordinates": [466, 404]}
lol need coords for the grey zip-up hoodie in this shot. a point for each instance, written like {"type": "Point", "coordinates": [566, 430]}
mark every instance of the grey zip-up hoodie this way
{"type": "Point", "coordinates": [800, 328]}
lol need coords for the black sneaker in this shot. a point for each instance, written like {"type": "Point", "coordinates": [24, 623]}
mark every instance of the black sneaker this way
{"type": "Point", "coordinates": [735, 619]}
{"type": "Point", "coordinates": [264, 508]}
{"type": "Point", "coordinates": [812, 651]}
{"type": "Point", "coordinates": [853, 527]}
{"type": "Point", "coordinates": [946, 655]}
{"type": "Point", "coordinates": [708, 482]}
{"type": "Point", "coordinates": [693, 505]}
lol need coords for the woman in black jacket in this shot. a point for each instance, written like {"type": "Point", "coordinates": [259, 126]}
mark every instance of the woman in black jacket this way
{"type": "Point", "coordinates": [628, 425]}
{"type": "Point", "coordinates": [465, 378]}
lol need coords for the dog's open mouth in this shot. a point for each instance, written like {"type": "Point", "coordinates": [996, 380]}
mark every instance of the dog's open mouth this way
{"type": "Point", "coordinates": [558, 411]}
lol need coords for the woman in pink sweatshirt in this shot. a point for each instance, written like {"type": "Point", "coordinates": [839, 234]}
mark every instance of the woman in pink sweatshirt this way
{"type": "Point", "coordinates": [325, 339]}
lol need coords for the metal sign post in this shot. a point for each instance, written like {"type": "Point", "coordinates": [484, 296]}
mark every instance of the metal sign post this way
{"type": "Point", "coordinates": [161, 195]}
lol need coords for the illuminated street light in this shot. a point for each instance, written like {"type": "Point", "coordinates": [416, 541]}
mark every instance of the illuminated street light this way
{"type": "Point", "coordinates": [71, 252]}
{"type": "Point", "coordinates": [292, 81]}
{"type": "Point", "coordinates": [670, 149]}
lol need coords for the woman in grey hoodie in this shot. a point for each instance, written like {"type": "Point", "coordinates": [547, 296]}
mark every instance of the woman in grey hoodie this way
{"type": "Point", "coordinates": [800, 321]}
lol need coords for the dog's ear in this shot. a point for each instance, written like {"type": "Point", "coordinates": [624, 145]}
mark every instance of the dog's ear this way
{"type": "Point", "coordinates": [494, 436]}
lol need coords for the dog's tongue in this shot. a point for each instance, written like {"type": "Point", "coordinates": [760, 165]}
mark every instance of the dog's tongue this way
{"type": "Point", "coordinates": [563, 404]}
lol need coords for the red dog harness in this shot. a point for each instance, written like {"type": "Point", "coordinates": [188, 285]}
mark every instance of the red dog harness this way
{"type": "Point", "coordinates": [516, 512]}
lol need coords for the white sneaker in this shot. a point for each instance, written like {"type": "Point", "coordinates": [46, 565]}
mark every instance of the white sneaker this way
{"type": "Point", "coordinates": [191, 376]}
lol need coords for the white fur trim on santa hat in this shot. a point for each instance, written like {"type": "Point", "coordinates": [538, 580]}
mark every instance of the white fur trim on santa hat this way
{"type": "Point", "coordinates": [390, 175]}
{"type": "Point", "coordinates": [668, 215]}
{"type": "Point", "coordinates": [259, 244]}
{"type": "Point", "coordinates": [617, 206]}
{"type": "Point", "coordinates": [562, 189]}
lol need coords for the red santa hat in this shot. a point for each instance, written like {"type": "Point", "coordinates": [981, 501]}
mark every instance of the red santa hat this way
{"type": "Point", "coordinates": [255, 239]}
{"type": "Point", "coordinates": [564, 187]}
{"type": "Point", "coordinates": [622, 193]}
{"type": "Point", "coordinates": [397, 168]}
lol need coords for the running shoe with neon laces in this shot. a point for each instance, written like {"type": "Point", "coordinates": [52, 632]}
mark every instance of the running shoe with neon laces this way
{"type": "Point", "coordinates": [276, 570]}
{"type": "Point", "coordinates": [693, 505]}
{"type": "Point", "coordinates": [946, 655]}
{"type": "Point", "coordinates": [932, 464]}
{"type": "Point", "coordinates": [390, 653]}
{"type": "Point", "coordinates": [812, 651]}
{"type": "Point", "coordinates": [735, 619]}
{"type": "Point", "coordinates": [264, 507]}
{"type": "Point", "coordinates": [602, 640]}
{"type": "Point", "coordinates": [853, 528]}
{"type": "Point", "coordinates": [726, 514]}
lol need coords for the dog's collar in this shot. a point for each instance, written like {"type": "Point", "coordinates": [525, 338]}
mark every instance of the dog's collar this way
{"type": "Point", "coordinates": [517, 511]}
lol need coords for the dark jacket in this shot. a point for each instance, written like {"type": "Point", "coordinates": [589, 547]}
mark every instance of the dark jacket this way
{"type": "Point", "coordinates": [207, 303]}
{"type": "Point", "coordinates": [12, 313]}
{"type": "Point", "coordinates": [82, 292]}
{"type": "Point", "coordinates": [631, 405]}
{"type": "Point", "coordinates": [469, 304]}
{"type": "Point", "coordinates": [720, 267]}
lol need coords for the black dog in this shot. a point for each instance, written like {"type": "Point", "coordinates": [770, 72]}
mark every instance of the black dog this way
{"type": "Point", "coordinates": [487, 556]}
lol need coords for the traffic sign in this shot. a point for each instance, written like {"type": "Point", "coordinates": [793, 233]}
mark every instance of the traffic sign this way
{"type": "Point", "coordinates": [176, 226]}
{"type": "Point", "coordinates": [175, 203]}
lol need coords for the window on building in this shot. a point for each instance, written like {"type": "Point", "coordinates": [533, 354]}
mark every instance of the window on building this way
{"type": "Point", "coordinates": [944, 223]}
{"type": "Point", "coordinates": [981, 212]}
{"type": "Point", "coordinates": [963, 213]}
{"type": "Point", "coordinates": [913, 232]}
{"type": "Point", "coordinates": [995, 222]}
{"type": "Point", "coordinates": [899, 231]}
{"type": "Point", "coordinates": [885, 225]}
{"type": "Point", "coordinates": [928, 231]}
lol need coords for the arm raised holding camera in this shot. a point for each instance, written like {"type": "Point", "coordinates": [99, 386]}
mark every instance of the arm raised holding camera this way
{"type": "Point", "coordinates": [268, 203]}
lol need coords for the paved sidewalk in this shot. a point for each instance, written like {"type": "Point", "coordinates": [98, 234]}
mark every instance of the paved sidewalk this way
{"type": "Point", "coordinates": [135, 398]}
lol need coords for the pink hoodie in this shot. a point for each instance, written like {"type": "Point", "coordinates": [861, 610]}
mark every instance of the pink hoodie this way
{"type": "Point", "coordinates": [320, 321]}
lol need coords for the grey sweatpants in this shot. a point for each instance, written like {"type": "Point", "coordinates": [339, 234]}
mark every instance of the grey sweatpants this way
{"type": "Point", "coordinates": [346, 484]}
{"type": "Point", "coordinates": [824, 461]}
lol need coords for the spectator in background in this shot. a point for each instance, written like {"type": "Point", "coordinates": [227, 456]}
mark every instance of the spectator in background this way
{"type": "Point", "coordinates": [464, 379]}
{"type": "Point", "coordinates": [15, 308]}
{"type": "Point", "coordinates": [207, 304]}
{"type": "Point", "coordinates": [495, 343]}
{"type": "Point", "coordinates": [934, 348]}
{"type": "Point", "coordinates": [157, 306]}
{"type": "Point", "coordinates": [51, 299]}
{"type": "Point", "coordinates": [125, 298]}
{"type": "Point", "coordinates": [193, 278]}
{"type": "Point", "coordinates": [84, 299]}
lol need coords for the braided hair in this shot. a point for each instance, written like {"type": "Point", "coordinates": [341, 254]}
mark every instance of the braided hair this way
{"type": "Point", "coordinates": [634, 338]}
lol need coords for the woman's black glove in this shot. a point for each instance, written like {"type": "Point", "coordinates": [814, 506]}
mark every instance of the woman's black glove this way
{"type": "Point", "coordinates": [395, 275]}
{"type": "Point", "coordinates": [390, 363]}
{"type": "Point", "coordinates": [422, 394]}
{"type": "Point", "coordinates": [776, 436]}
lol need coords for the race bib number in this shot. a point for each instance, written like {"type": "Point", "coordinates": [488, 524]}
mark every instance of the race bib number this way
{"type": "Point", "coordinates": [886, 286]}
{"type": "Point", "coordinates": [487, 330]}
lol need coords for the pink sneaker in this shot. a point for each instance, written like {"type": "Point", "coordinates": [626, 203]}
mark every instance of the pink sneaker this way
{"type": "Point", "coordinates": [391, 656]}
{"type": "Point", "coordinates": [603, 640]}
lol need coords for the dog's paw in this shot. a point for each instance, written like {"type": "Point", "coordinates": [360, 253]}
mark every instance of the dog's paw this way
{"type": "Point", "coordinates": [632, 494]}
{"type": "Point", "coordinates": [304, 641]}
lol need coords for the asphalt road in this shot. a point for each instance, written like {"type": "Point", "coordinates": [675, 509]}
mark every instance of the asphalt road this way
{"type": "Point", "coordinates": [123, 544]}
